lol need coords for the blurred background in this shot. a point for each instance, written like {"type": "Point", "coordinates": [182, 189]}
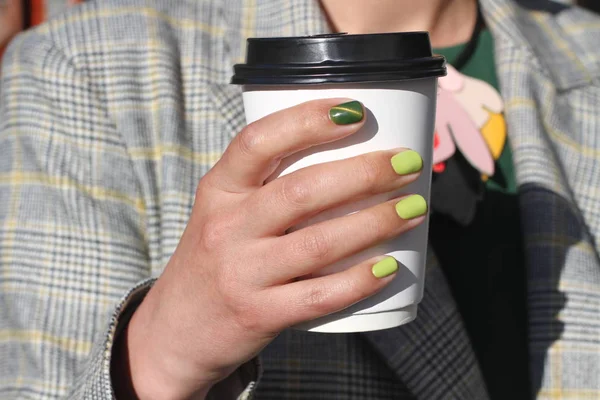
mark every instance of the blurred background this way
{"type": "Point", "coordinates": [18, 15]}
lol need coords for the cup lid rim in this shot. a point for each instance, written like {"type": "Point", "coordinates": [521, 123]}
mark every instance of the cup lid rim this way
{"type": "Point", "coordinates": [338, 58]}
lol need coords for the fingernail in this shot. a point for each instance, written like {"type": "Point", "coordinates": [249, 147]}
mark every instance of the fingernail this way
{"type": "Point", "coordinates": [385, 267]}
{"type": "Point", "coordinates": [407, 162]}
{"type": "Point", "coordinates": [411, 207]}
{"type": "Point", "coordinates": [347, 113]}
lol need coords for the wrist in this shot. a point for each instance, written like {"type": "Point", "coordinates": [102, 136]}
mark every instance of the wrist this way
{"type": "Point", "coordinates": [141, 370]}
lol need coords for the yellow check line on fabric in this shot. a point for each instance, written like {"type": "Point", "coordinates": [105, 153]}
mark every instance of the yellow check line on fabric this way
{"type": "Point", "coordinates": [31, 383]}
{"type": "Point", "coordinates": [565, 286]}
{"type": "Point", "coordinates": [145, 11]}
{"type": "Point", "coordinates": [15, 133]}
{"type": "Point", "coordinates": [54, 228]}
{"type": "Point", "coordinates": [582, 286]}
{"type": "Point", "coordinates": [584, 349]}
{"type": "Point", "coordinates": [560, 42]}
{"type": "Point", "coordinates": [574, 394]}
{"type": "Point", "coordinates": [566, 140]}
{"type": "Point", "coordinates": [249, 27]}
{"type": "Point", "coordinates": [556, 241]}
{"type": "Point", "coordinates": [55, 294]}
{"type": "Point", "coordinates": [155, 153]}
{"type": "Point", "coordinates": [500, 13]}
{"type": "Point", "coordinates": [59, 182]}
{"type": "Point", "coordinates": [576, 28]}
{"type": "Point", "coordinates": [34, 336]}
{"type": "Point", "coordinates": [556, 366]}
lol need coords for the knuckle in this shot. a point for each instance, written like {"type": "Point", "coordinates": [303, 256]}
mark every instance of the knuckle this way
{"type": "Point", "coordinates": [319, 299]}
{"type": "Point", "coordinates": [236, 296]}
{"type": "Point", "coordinates": [314, 245]}
{"type": "Point", "coordinates": [369, 169]}
{"type": "Point", "coordinates": [250, 321]}
{"type": "Point", "coordinates": [250, 139]}
{"type": "Point", "coordinates": [377, 225]}
{"type": "Point", "coordinates": [203, 188]}
{"type": "Point", "coordinates": [214, 233]}
{"type": "Point", "coordinates": [295, 192]}
{"type": "Point", "coordinates": [246, 314]}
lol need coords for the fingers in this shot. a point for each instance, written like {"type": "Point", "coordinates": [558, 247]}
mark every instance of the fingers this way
{"type": "Point", "coordinates": [309, 249]}
{"type": "Point", "coordinates": [287, 200]}
{"type": "Point", "coordinates": [256, 151]}
{"type": "Point", "coordinates": [313, 298]}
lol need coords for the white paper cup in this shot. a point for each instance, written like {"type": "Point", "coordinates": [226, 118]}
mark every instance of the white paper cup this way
{"type": "Point", "coordinates": [400, 113]}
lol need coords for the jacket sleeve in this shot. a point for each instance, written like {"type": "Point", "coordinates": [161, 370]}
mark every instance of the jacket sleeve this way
{"type": "Point", "coordinates": [74, 256]}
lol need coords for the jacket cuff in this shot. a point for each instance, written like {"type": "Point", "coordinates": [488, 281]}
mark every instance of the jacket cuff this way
{"type": "Point", "coordinates": [240, 385]}
{"type": "Point", "coordinates": [95, 382]}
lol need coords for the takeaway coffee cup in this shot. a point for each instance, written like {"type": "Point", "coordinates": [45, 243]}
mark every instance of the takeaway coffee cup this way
{"type": "Point", "coordinates": [395, 77]}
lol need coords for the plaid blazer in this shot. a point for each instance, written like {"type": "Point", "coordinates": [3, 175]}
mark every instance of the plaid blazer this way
{"type": "Point", "coordinates": [111, 113]}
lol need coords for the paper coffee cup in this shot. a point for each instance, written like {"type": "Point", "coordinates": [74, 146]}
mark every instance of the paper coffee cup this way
{"type": "Point", "coordinates": [395, 77]}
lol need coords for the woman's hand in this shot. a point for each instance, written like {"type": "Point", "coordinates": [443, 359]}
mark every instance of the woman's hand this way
{"type": "Point", "coordinates": [231, 285]}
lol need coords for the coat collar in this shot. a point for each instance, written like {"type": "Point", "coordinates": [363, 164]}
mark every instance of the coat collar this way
{"type": "Point", "coordinates": [540, 59]}
{"type": "Point", "coordinates": [538, 27]}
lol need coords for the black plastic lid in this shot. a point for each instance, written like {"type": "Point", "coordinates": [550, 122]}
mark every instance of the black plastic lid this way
{"type": "Point", "coordinates": [338, 58]}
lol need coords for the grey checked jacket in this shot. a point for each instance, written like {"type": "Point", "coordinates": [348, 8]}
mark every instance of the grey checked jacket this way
{"type": "Point", "coordinates": [109, 116]}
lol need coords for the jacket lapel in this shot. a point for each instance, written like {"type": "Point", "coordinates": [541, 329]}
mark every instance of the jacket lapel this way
{"type": "Point", "coordinates": [541, 66]}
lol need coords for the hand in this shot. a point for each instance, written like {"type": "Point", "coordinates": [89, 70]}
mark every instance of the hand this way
{"type": "Point", "coordinates": [231, 285]}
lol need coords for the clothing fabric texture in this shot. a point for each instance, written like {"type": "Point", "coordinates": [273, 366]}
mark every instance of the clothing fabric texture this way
{"type": "Point", "coordinates": [110, 115]}
{"type": "Point", "coordinates": [484, 261]}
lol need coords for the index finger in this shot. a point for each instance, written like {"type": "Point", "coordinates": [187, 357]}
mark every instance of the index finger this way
{"type": "Point", "coordinates": [259, 148]}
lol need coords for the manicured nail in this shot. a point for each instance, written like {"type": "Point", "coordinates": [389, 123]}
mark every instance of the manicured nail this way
{"type": "Point", "coordinates": [347, 113]}
{"type": "Point", "coordinates": [385, 267]}
{"type": "Point", "coordinates": [411, 207]}
{"type": "Point", "coordinates": [407, 162]}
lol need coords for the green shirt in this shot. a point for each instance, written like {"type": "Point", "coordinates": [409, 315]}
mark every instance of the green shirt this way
{"type": "Point", "coordinates": [484, 262]}
{"type": "Point", "coordinates": [481, 66]}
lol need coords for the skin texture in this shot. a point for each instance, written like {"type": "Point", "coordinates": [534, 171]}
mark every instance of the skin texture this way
{"type": "Point", "coordinates": [231, 285]}
{"type": "Point", "coordinates": [449, 22]}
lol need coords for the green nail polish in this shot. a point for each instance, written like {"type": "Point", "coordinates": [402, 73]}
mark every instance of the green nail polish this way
{"type": "Point", "coordinates": [407, 162]}
{"type": "Point", "coordinates": [411, 207]}
{"type": "Point", "coordinates": [347, 113]}
{"type": "Point", "coordinates": [385, 267]}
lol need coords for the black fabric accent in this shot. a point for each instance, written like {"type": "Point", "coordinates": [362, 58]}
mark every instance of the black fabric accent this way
{"type": "Point", "coordinates": [475, 232]}
{"type": "Point", "coordinates": [488, 282]}
{"type": "Point", "coordinates": [456, 192]}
